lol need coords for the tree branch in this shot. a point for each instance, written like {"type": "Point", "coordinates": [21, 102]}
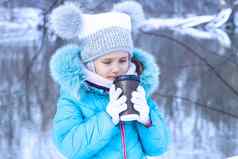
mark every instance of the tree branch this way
{"type": "Point", "coordinates": [200, 104]}
{"type": "Point", "coordinates": [190, 50]}
{"type": "Point", "coordinates": [43, 40]}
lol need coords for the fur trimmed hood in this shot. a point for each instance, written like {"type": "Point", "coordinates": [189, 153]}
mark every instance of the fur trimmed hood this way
{"type": "Point", "coordinates": [67, 70]}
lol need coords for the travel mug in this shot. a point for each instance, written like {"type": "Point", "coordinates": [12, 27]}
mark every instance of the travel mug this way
{"type": "Point", "coordinates": [128, 84]}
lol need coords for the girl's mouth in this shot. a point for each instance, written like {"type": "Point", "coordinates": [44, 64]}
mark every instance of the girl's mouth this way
{"type": "Point", "coordinates": [111, 77]}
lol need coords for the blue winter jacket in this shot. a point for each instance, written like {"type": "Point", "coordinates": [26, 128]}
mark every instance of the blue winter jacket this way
{"type": "Point", "coordinates": [83, 130]}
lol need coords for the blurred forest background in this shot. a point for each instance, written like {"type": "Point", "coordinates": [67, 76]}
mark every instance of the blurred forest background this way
{"type": "Point", "coordinates": [198, 91]}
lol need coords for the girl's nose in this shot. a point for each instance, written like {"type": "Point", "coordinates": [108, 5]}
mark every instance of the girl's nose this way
{"type": "Point", "coordinates": [115, 70]}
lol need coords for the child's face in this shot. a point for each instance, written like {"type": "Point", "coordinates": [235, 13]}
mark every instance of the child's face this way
{"type": "Point", "coordinates": [112, 64]}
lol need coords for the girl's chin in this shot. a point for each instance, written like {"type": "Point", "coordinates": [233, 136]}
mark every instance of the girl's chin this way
{"type": "Point", "coordinates": [111, 78]}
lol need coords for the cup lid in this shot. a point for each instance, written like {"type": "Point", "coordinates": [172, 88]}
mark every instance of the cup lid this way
{"type": "Point", "coordinates": [127, 77]}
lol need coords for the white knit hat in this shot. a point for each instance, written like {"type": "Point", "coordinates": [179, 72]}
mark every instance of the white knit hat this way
{"type": "Point", "coordinates": [92, 23]}
{"type": "Point", "coordinates": [104, 33]}
{"type": "Point", "coordinates": [98, 34]}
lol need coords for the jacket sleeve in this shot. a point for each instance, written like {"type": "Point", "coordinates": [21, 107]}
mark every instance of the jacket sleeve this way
{"type": "Point", "coordinates": [79, 138]}
{"type": "Point", "coordinates": [156, 138]}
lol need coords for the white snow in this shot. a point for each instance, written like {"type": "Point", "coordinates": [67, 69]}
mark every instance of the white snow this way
{"type": "Point", "coordinates": [158, 23]}
{"type": "Point", "coordinates": [38, 145]}
{"type": "Point", "coordinates": [190, 26]}
{"type": "Point", "coordinates": [199, 34]}
{"type": "Point", "coordinates": [20, 25]}
{"type": "Point", "coordinates": [222, 37]}
{"type": "Point", "coordinates": [194, 21]}
{"type": "Point", "coordinates": [233, 157]}
{"type": "Point", "coordinates": [220, 19]}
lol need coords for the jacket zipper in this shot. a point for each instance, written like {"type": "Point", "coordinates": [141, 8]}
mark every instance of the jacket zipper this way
{"type": "Point", "coordinates": [122, 127]}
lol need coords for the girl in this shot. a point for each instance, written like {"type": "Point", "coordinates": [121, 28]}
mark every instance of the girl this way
{"type": "Point", "coordinates": [87, 123]}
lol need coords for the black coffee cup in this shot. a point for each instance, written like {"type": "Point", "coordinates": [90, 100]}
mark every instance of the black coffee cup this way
{"type": "Point", "coordinates": [128, 84]}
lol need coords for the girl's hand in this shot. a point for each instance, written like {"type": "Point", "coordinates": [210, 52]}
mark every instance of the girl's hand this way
{"type": "Point", "coordinates": [140, 104]}
{"type": "Point", "coordinates": [116, 105]}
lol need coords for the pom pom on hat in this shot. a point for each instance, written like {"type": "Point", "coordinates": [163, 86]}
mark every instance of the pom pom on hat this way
{"type": "Point", "coordinates": [66, 20]}
{"type": "Point", "coordinates": [134, 10]}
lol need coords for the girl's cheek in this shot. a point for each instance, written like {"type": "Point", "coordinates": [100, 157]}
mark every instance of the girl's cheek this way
{"type": "Point", "coordinates": [125, 68]}
{"type": "Point", "coordinates": [108, 70]}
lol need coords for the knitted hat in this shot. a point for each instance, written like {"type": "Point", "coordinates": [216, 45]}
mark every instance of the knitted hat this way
{"type": "Point", "coordinates": [98, 34]}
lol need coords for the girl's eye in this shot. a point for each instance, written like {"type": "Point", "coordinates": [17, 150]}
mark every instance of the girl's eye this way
{"type": "Point", "coordinates": [106, 62]}
{"type": "Point", "coordinates": [123, 61]}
